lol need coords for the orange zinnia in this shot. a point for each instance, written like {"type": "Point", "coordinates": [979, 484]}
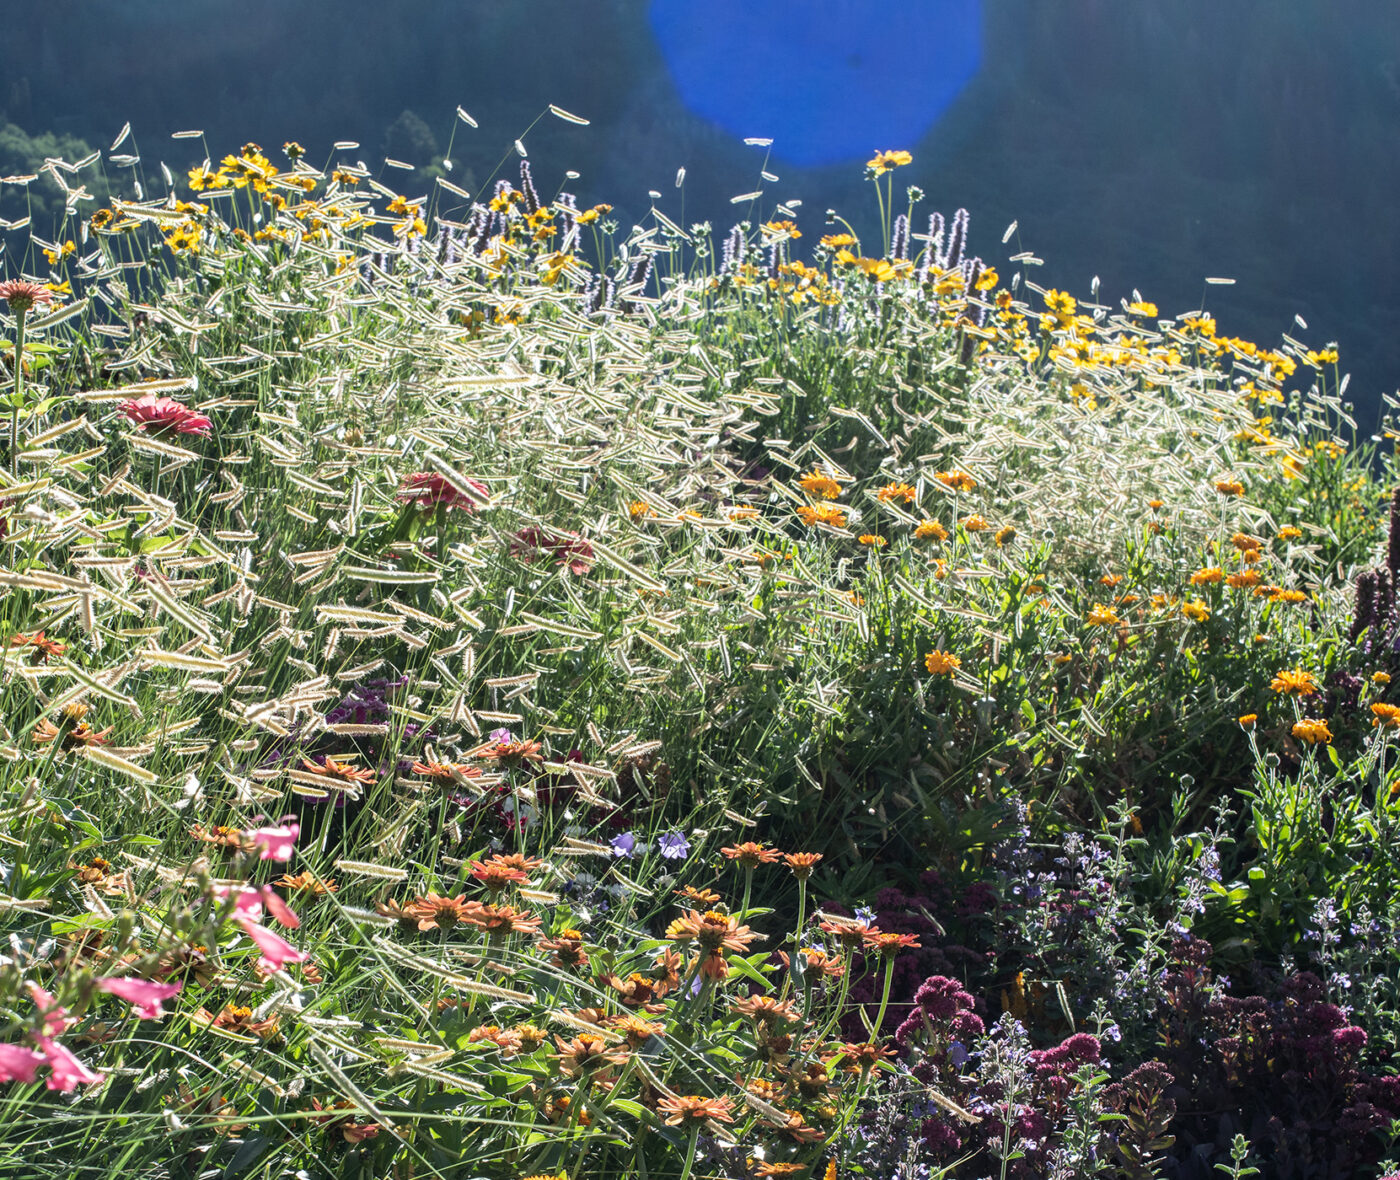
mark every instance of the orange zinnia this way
{"type": "Point", "coordinates": [750, 855]}
{"type": "Point", "coordinates": [712, 930]}
{"type": "Point", "coordinates": [694, 1108]}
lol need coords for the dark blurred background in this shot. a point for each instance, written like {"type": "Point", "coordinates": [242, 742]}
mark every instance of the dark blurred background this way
{"type": "Point", "coordinates": [1149, 142]}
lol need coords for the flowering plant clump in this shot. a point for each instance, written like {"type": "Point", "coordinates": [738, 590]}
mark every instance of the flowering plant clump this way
{"type": "Point", "coordinates": [861, 716]}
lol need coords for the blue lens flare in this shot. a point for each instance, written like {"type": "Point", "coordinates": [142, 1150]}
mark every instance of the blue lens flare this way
{"type": "Point", "coordinates": [828, 80]}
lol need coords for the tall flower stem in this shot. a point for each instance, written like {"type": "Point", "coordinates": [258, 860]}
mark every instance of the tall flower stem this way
{"type": "Point", "coordinates": [690, 1150]}
{"type": "Point", "coordinates": [797, 935]}
{"type": "Point", "coordinates": [884, 998]}
{"type": "Point", "coordinates": [20, 317]}
{"type": "Point", "coordinates": [748, 890]}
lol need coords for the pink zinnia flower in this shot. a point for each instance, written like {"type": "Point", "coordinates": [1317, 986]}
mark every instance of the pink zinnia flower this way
{"type": "Point", "coordinates": [427, 489]}
{"type": "Point", "coordinates": [17, 1064]}
{"type": "Point", "coordinates": [55, 1017]}
{"type": "Point", "coordinates": [275, 949]}
{"type": "Point", "coordinates": [142, 994]}
{"type": "Point", "coordinates": [567, 548]}
{"type": "Point", "coordinates": [68, 1071]}
{"type": "Point", "coordinates": [164, 415]}
{"type": "Point", "coordinates": [249, 903]}
{"type": "Point", "coordinates": [21, 295]}
{"type": "Point", "coordinates": [275, 843]}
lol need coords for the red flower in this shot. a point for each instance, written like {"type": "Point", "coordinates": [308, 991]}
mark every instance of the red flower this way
{"type": "Point", "coordinates": [567, 548]}
{"type": "Point", "coordinates": [162, 415]}
{"type": "Point", "coordinates": [427, 489]}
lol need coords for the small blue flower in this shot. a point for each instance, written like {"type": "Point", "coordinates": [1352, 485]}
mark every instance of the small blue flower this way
{"type": "Point", "coordinates": [624, 845]}
{"type": "Point", "coordinates": [865, 914]}
{"type": "Point", "coordinates": [673, 845]}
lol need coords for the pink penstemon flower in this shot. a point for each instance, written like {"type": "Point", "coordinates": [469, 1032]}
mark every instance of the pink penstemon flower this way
{"type": "Point", "coordinates": [275, 843]}
{"type": "Point", "coordinates": [67, 1071]}
{"type": "Point", "coordinates": [164, 415]}
{"type": "Point", "coordinates": [143, 995]}
{"type": "Point", "coordinates": [17, 1064]}
{"type": "Point", "coordinates": [55, 1017]}
{"type": "Point", "coordinates": [275, 949]}
{"type": "Point", "coordinates": [249, 903]}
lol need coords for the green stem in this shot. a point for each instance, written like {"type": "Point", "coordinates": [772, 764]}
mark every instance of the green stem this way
{"type": "Point", "coordinates": [797, 937]}
{"type": "Point", "coordinates": [19, 391]}
{"type": "Point", "coordinates": [690, 1150]}
{"type": "Point", "coordinates": [748, 888]}
{"type": "Point", "coordinates": [884, 1000]}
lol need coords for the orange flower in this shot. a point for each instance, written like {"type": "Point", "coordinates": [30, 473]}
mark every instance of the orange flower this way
{"type": "Point", "coordinates": [223, 836]}
{"type": "Point", "coordinates": [517, 860]}
{"type": "Point", "coordinates": [566, 950]}
{"type": "Point", "coordinates": [778, 1170]}
{"type": "Point", "coordinates": [1196, 610]}
{"type": "Point", "coordinates": [635, 1029]}
{"type": "Point", "coordinates": [1312, 731]}
{"type": "Point", "coordinates": [974, 523]}
{"type": "Point", "coordinates": [445, 772]}
{"type": "Point", "coordinates": [308, 883]}
{"type": "Point", "coordinates": [1004, 534]}
{"type": "Point", "coordinates": [694, 1108]}
{"type": "Point", "coordinates": [705, 897]}
{"type": "Point", "coordinates": [43, 648]}
{"type": "Point", "coordinates": [864, 1054]}
{"type": "Point", "coordinates": [1207, 576]}
{"type": "Point", "coordinates": [930, 529]}
{"type": "Point", "coordinates": [511, 752]}
{"type": "Point", "coordinates": [1386, 716]}
{"type": "Point", "coordinates": [802, 863]}
{"type": "Point", "coordinates": [889, 944]}
{"type": "Point", "coordinates": [1102, 616]}
{"type": "Point", "coordinates": [822, 514]}
{"type": "Point", "coordinates": [585, 1054]}
{"type": "Point", "coordinates": [1229, 487]}
{"type": "Point", "coordinates": [507, 1040]}
{"type": "Point", "coordinates": [896, 491]}
{"type": "Point", "coordinates": [765, 1009]}
{"type": "Point", "coordinates": [330, 768]}
{"type": "Point", "coordinates": [817, 483]}
{"type": "Point", "coordinates": [848, 932]}
{"type": "Point", "coordinates": [1295, 682]}
{"type": "Point", "coordinates": [436, 912]}
{"type": "Point", "coordinates": [751, 855]}
{"type": "Point", "coordinates": [403, 915]}
{"type": "Point", "coordinates": [712, 930]}
{"type": "Point", "coordinates": [496, 876]}
{"type": "Point", "coordinates": [1247, 720]}
{"type": "Point", "coordinates": [638, 991]}
{"type": "Point", "coordinates": [818, 961]}
{"type": "Point", "coordinates": [959, 481]}
{"type": "Point", "coordinates": [942, 663]}
{"type": "Point", "coordinates": [70, 736]}
{"type": "Point", "coordinates": [873, 541]}
{"type": "Point", "coordinates": [499, 921]}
